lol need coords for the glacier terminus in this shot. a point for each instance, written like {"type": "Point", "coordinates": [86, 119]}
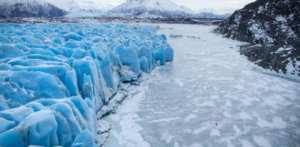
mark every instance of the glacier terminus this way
{"type": "Point", "coordinates": [55, 77]}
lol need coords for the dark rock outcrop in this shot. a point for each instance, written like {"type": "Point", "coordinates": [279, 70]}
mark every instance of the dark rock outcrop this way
{"type": "Point", "coordinates": [272, 27]}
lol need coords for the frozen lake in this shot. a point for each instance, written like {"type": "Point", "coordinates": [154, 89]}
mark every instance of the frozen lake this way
{"type": "Point", "coordinates": [210, 96]}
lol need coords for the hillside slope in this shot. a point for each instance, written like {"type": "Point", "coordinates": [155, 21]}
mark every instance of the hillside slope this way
{"type": "Point", "coordinates": [272, 27]}
{"type": "Point", "coordinates": [28, 8]}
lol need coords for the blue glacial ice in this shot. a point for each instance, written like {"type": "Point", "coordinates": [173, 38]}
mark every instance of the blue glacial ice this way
{"type": "Point", "coordinates": [55, 77]}
{"type": "Point", "coordinates": [175, 36]}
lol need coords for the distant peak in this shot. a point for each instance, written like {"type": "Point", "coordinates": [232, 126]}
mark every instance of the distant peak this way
{"type": "Point", "coordinates": [163, 8]}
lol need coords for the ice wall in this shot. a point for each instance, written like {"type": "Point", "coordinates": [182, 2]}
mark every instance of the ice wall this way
{"type": "Point", "coordinates": [55, 77]}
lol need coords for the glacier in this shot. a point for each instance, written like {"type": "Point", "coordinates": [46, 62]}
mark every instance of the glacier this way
{"type": "Point", "coordinates": [54, 78]}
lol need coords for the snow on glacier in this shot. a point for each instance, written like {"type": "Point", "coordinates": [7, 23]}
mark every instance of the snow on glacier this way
{"type": "Point", "coordinates": [55, 77]}
{"type": "Point", "coordinates": [210, 96]}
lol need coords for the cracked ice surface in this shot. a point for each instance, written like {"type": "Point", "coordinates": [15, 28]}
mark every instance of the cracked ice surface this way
{"type": "Point", "coordinates": [210, 96]}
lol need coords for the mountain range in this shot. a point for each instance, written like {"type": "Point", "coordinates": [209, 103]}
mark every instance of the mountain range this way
{"type": "Point", "coordinates": [130, 8]}
{"type": "Point", "coordinates": [159, 8]}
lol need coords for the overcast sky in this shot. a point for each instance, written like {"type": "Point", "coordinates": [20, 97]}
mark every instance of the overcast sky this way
{"type": "Point", "coordinates": [220, 6]}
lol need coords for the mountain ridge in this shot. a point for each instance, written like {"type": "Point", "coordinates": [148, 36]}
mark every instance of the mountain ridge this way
{"type": "Point", "coordinates": [82, 5]}
{"type": "Point", "coordinates": [159, 8]}
{"type": "Point", "coordinates": [29, 8]}
{"type": "Point", "coordinates": [93, 8]}
{"type": "Point", "coordinates": [163, 8]}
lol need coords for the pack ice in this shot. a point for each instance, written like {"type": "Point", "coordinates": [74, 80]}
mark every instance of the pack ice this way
{"type": "Point", "coordinates": [55, 77]}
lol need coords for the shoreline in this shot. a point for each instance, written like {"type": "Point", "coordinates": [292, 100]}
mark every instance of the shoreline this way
{"type": "Point", "coordinates": [41, 20]}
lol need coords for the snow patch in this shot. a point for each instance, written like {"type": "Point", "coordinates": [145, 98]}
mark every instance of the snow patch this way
{"type": "Point", "coordinates": [190, 117]}
{"type": "Point", "coordinates": [215, 132]}
{"type": "Point", "coordinates": [261, 141]}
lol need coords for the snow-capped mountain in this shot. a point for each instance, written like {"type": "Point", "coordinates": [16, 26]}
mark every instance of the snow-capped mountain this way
{"type": "Point", "coordinates": [82, 5]}
{"type": "Point", "coordinates": [88, 5]}
{"type": "Point", "coordinates": [28, 8]}
{"type": "Point", "coordinates": [272, 28]}
{"type": "Point", "coordinates": [152, 8]}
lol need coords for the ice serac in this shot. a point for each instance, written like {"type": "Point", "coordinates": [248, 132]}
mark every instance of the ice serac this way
{"type": "Point", "coordinates": [272, 29]}
{"type": "Point", "coordinates": [130, 62]}
{"type": "Point", "coordinates": [55, 77]}
{"type": "Point", "coordinates": [37, 129]}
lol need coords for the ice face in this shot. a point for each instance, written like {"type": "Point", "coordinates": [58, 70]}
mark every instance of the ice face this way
{"type": "Point", "coordinates": [38, 128]}
{"type": "Point", "coordinates": [129, 59]}
{"type": "Point", "coordinates": [210, 96]}
{"type": "Point", "coordinates": [6, 125]}
{"type": "Point", "coordinates": [55, 77]}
